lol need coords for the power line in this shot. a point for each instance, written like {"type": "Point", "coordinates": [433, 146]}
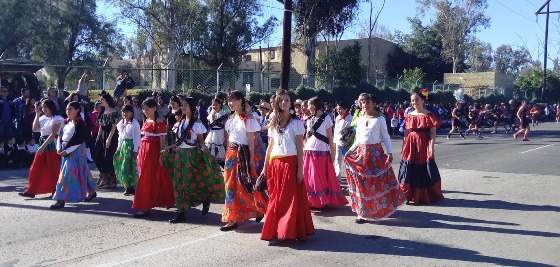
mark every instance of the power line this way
{"type": "Point", "coordinates": [508, 8]}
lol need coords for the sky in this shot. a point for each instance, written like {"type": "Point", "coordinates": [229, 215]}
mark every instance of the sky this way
{"type": "Point", "coordinates": [512, 22]}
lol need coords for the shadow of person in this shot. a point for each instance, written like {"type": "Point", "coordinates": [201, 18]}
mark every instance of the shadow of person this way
{"type": "Point", "coordinates": [495, 204]}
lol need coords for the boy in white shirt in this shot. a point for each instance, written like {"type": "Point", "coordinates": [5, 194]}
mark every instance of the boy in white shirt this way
{"type": "Point", "coordinates": [394, 125]}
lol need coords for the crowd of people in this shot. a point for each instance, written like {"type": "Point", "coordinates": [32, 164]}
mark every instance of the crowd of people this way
{"type": "Point", "coordinates": [277, 159]}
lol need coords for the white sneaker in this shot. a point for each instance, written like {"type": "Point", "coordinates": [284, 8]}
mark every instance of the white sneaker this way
{"type": "Point", "coordinates": [493, 132]}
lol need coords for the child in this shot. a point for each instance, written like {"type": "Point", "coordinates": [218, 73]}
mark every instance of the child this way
{"type": "Point", "coordinates": [124, 160]}
{"type": "Point", "coordinates": [21, 154]}
{"type": "Point", "coordinates": [32, 147]}
{"type": "Point", "coordinates": [394, 125]}
{"type": "Point", "coordinates": [9, 150]}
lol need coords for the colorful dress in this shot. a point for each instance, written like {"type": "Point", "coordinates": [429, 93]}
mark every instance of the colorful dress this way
{"type": "Point", "coordinates": [241, 201]}
{"type": "Point", "coordinates": [75, 180]}
{"type": "Point", "coordinates": [215, 138]}
{"type": "Point", "coordinates": [418, 173]}
{"type": "Point", "coordinates": [102, 155]}
{"type": "Point", "coordinates": [155, 188]}
{"type": "Point", "coordinates": [288, 215]}
{"type": "Point", "coordinates": [126, 168]}
{"type": "Point", "coordinates": [45, 168]}
{"type": "Point", "coordinates": [321, 181]}
{"type": "Point", "coordinates": [374, 190]}
{"type": "Point", "coordinates": [341, 123]}
{"type": "Point", "coordinates": [196, 175]}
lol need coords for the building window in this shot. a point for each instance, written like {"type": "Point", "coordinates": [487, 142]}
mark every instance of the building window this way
{"type": "Point", "coordinates": [275, 82]}
{"type": "Point", "coordinates": [248, 78]}
{"type": "Point", "coordinates": [247, 58]}
{"type": "Point", "coordinates": [272, 54]}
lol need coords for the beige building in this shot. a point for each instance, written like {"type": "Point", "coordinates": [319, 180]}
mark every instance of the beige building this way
{"type": "Point", "coordinates": [480, 84]}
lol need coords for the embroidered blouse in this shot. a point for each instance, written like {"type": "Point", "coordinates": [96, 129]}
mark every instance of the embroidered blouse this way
{"type": "Point", "coordinates": [129, 130]}
{"type": "Point", "coordinates": [237, 129]}
{"type": "Point", "coordinates": [373, 131]}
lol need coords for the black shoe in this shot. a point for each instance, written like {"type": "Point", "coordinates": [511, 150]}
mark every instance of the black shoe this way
{"type": "Point", "coordinates": [179, 218]}
{"type": "Point", "coordinates": [259, 219]}
{"type": "Point", "coordinates": [26, 195]}
{"type": "Point", "coordinates": [91, 196]}
{"type": "Point", "coordinates": [129, 191]}
{"type": "Point", "coordinates": [205, 207]}
{"type": "Point", "coordinates": [228, 228]}
{"type": "Point", "coordinates": [144, 214]}
{"type": "Point", "coordinates": [359, 221]}
{"type": "Point", "coordinates": [57, 205]}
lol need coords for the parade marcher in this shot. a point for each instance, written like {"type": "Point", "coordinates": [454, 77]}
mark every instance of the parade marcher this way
{"type": "Point", "coordinates": [343, 132]}
{"type": "Point", "coordinates": [215, 140]}
{"type": "Point", "coordinates": [374, 190]}
{"type": "Point", "coordinates": [323, 188]}
{"type": "Point", "coordinates": [456, 121]}
{"type": "Point", "coordinates": [106, 142]}
{"type": "Point", "coordinates": [419, 176]}
{"type": "Point", "coordinates": [535, 113]}
{"type": "Point", "coordinates": [75, 182]}
{"type": "Point", "coordinates": [196, 176]}
{"type": "Point", "coordinates": [288, 215]}
{"type": "Point", "coordinates": [175, 105]}
{"type": "Point", "coordinates": [242, 202]}
{"type": "Point", "coordinates": [45, 168]}
{"type": "Point", "coordinates": [126, 167]}
{"type": "Point", "coordinates": [523, 121]}
{"type": "Point", "coordinates": [154, 187]}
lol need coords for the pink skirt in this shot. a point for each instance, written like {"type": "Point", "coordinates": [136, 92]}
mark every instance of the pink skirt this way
{"type": "Point", "coordinates": [321, 182]}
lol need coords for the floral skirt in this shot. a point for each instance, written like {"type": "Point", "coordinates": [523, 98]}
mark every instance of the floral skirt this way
{"type": "Point", "coordinates": [126, 168]}
{"type": "Point", "coordinates": [240, 204]}
{"type": "Point", "coordinates": [196, 177]}
{"type": "Point", "coordinates": [44, 171]}
{"type": "Point", "coordinates": [374, 190]}
{"type": "Point", "coordinates": [321, 182]}
{"type": "Point", "coordinates": [75, 180]}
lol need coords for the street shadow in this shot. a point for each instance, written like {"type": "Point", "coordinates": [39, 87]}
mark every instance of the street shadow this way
{"type": "Point", "coordinates": [467, 193]}
{"type": "Point", "coordinates": [334, 211]}
{"type": "Point", "coordinates": [495, 204]}
{"type": "Point", "coordinates": [336, 241]}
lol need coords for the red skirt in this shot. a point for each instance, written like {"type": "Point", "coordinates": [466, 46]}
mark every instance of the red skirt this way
{"type": "Point", "coordinates": [288, 215]}
{"type": "Point", "coordinates": [154, 188]}
{"type": "Point", "coordinates": [43, 174]}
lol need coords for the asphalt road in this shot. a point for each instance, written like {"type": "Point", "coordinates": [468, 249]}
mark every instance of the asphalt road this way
{"type": "Point", "coordinates": [502, 207]}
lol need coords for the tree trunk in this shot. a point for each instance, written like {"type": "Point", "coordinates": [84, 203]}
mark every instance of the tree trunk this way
{"type": "Point", "coordinates": [170, 68]}
{"type": "Point", "coordinates": [311, 47]}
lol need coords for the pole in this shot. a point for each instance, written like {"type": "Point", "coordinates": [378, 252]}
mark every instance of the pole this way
{"type": "Point", "coordinates": [545, 50]}
{"type": "Point", "coordinates": [286, 45]}
{"type": "Point", "coordinates": [190, 62]}
{"type": "Point", "coordinates": [218, 78]}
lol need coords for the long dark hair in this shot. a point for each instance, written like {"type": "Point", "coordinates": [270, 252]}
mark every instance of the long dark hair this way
{"type": "Point", "coordinates": [316, 102]}
{"type": "Point", "coordinates": [109, 99]}
{"type": "Point", "coordinates": [192, 106]}
{"type": "Point", "coordinates": [76, 105]}
{"type": "Point", "coordinates": [279, 113]}
{"type": "Point", "coordinates": [237, 95]}
{"type": "Point", "coordinates": [51, 106]}
{"type": "Point", "coordinates": [151, 103]}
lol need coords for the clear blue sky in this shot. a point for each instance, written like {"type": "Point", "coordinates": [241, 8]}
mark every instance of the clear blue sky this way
{"type": "Point", "coordinates": [512, 22]}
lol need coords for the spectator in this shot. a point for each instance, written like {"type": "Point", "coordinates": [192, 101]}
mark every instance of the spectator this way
{"type": "Point", "coordinates": [82, 89]}
{"type": "Point", "coordinates": [138, 115]}
{"type": "Point", "coordinates": [19, 112]}
{"type": "Point", "coordinates": [6, 125]}
{"type": "Point", "coordinates": [394, 125]}
{"type": "Point", "coordinates": [15, 90]}
{"type": "Point", "coordinates": [52, 94]}
{"type": "Point", "coordinates": [162, 109]}
{"type": "Point", "coordinates": [201, 112]}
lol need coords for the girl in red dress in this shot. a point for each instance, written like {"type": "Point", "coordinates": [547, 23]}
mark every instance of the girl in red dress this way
{"type": "Point", "coordinates": [154, 188]}
{"type": "Point", "coordinates": [418, 173]}
{"type": "Point", "coordinates": [288, 215]}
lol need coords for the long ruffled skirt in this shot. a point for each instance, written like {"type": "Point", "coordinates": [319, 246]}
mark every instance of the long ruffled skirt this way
{"type": "Point", "coordinates": [374, 191]}
{"type": "Point", "coordinates": [75, 180]}
{"type": "Point", "coordinates": [288, 215]}
{"type": "Point", "coordinates": [44, 171]}
{"type": "Point", "coordinates": [126, 168]}
{"type": "Point", "coordinates": [196, 177]}
{"type": "Point", "coordinates": [215, 143]}
{"type": "Point", "coordinates": [321, 182]}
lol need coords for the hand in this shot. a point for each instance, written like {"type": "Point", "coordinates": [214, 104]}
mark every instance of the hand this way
{"type": "Point", "coordinates": [108, 143]}
{"type": "Point", "coordinates": [63, 153]}
{"type": "Point", "coordinates": [37, 109]}
{"type": "Point", "coordinates": [333, 157]}
{"type": "Point", "coordinates": [389, 160]}
{"type": "Point", "coordinates": [40, 150]}
{"type": "Point", "coordinates": [161, 160]}
{"type": "Point", "coordinates": [204, 147]}
{"type": "Point", "coordinates": [299, 176]}
{"type": "Point", "coordinates": [134, 154]}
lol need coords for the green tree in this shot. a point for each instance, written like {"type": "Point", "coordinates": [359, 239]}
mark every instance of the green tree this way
{"type": "Point", "coordinates": [532, 82]}
{"type": "Point", "coordinates": [412, 78]}
{"type": "Point", "coordinates": [508, 60]}
{"type": "Point", "coordinates": [456, 23]}
{"type": "Point", "coordinates": [18, 32]}
{"type": "Point", "coordinates": [480, 57]}
{"type": "Point", "coordinates": [344, 67]}
{"type": "Point", "coordinates": [71, 34]}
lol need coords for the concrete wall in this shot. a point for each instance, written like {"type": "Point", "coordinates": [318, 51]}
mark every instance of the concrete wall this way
{"type": "Point", "coordinates": [480, 83]}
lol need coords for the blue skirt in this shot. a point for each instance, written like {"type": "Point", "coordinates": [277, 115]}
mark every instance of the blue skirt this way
{"type": "Point", "coordinates": [75, 180]}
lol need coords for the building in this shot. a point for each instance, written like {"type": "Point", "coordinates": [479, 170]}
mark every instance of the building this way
{"type": "Point", "coordinates": [480, 84]}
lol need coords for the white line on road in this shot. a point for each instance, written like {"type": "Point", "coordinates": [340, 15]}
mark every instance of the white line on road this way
{"type": "Point", "coordinates": [163, 250]}
{"type": "Point", "coordinates": [535, 149]}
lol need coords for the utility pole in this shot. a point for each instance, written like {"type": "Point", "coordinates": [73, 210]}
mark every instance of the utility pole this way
{"type": "Point", "coordinates": [286, 45]}
{"type": "Point", "coordinates": [548, 12]}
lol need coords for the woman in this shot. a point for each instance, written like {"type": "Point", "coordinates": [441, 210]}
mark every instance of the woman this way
{"type": "Point", "coordinates": [154, 188]}
{"type": "Point", "coordinates": [418, 173]}
{"type": "Point", "coordinates": [457, 116]}
{"type": "Point", "coordinates": [28, 117]}
{"type": "Point", "coordinates": [44, 170]}
{"type": "Point", "coordinates": [523, 121]}
{"type": "Point", "coordinates": [175, 104]}
{"type": "Point", "coordinates": [124, 161]}
{"type": "Point", "coordinates": [374, 190]}
{"type": "Point", "coordinates": [321, 182]}
{"type": "Point", "coordinates": [75, 183]}
{"type": "Point", "coordinates": [52, 95]}
{"type": "Point", "coordinates": [288, 215]}
{"type": "Point", "coordinates": [215, 140]}
{"type": "Point", "coordinates": [106, 142]}
{"type": "Point", "coordinates": [342, 133]}
{"type": "Point", "coordinates": [196, 175]}
{"type": "Point", "coordinates": [241, 202]}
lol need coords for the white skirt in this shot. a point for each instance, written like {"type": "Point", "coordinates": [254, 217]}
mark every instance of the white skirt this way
{"type": "Point", "coordinates": [215, 143]}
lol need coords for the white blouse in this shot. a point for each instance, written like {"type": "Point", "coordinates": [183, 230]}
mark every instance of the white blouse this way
{"type": "Point", "coordinates": [129, 131]}
{"type": "Point", "coordinates": [373, 131]}
{"type": "Point", "coordinates": [237, 129]}
{"type": "Point", "coordinates": [198, 128]}
{"type": "Point", "coordinates": [67, 133]}
{"type": "Point", "coordinates": [312, 143]}
{"type": "Point", "coordinates": [46, 123]}
{"type": "Point", "coordinates": [339, 125]}
{"type": "Point", "coordinates": [285, 142]}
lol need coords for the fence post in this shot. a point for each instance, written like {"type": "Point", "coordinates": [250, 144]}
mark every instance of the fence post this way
{"type": "Point", "coordinates": [218, 78]}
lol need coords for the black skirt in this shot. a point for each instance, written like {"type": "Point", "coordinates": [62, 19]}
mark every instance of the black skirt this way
{"type": "Point", "coordinates": [102, 156]}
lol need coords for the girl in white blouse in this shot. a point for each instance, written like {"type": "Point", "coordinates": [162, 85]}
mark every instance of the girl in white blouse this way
{"type": "Point", "coordinates": [374, 190]}
{"type": "Point", "coordinates": [126, 168]}
{"type": "Point", "coordinates": [242, 202]}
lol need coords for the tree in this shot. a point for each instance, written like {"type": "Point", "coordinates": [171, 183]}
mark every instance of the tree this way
{"type": "Point", "coordinates": [71, 34]}
{"type": "Point", "coordinates": [344, 67]}
{"type": "Point", "coordinates": [480, 57]}
{"type": "Point", "coordinates": [511, 61]}
{"type": "Point", "coordinates": [17, 32]}
{"type": "Point", "coordinates": [412, 78]}
{"type": "Point", "coordinates": [532, 81]}
{"type": "Point", "coordinates": [456, 25]}
{"type": "Point", "coordinates": [315, 16]}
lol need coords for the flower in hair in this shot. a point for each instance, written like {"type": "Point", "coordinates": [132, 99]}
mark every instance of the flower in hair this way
{"type": "Point", "coordinates": [424, 92]}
